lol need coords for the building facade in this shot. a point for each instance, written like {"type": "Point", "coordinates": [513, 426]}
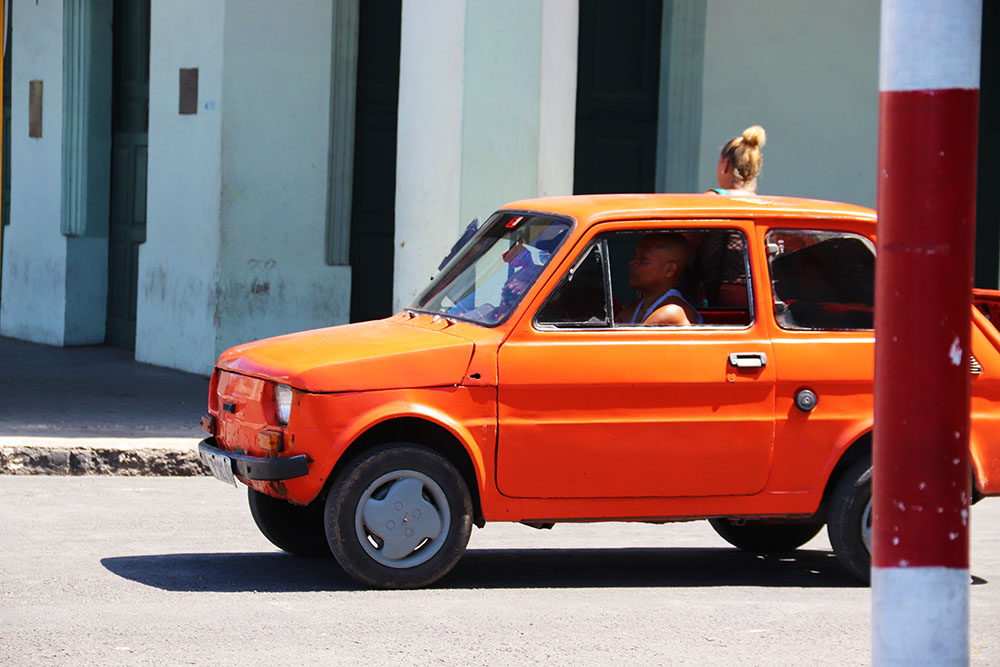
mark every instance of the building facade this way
{"type": "Point", "coordinates": [189, 175]}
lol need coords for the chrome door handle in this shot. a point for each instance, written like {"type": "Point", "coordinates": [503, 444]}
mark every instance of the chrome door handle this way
{"type": "Point", "coordinates": [748, 359]}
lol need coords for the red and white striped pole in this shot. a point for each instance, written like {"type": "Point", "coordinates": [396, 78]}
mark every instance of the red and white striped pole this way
{"type": "Point", "coordinates": [928, 114]}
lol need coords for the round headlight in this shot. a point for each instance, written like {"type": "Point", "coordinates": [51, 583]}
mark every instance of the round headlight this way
{"type": "Point", "coordinates": [282, 402]}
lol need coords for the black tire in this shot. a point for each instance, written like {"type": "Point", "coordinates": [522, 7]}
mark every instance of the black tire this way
{"type": "Point", "coordinates": [292, 528]}
{"type": "Point", "coordinates": [398, 516]}
{"type": "Point", "coordinates": [765, 538]}
{"type": "Point", "coordinates": [849, 520]}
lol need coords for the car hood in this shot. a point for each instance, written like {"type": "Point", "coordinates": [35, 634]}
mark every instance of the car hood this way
{"type": "Point", "coordinates": [382, 354]}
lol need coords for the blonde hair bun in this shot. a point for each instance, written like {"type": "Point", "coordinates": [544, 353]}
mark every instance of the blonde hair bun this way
{"type": "Point", "coordinates": [754, 136]}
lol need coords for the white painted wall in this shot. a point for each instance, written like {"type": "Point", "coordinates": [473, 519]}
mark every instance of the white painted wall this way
{"type": "Point", "coordinates": [487, 108]}
{"type": "Point", "coordinates": [275, 174]}
{"type": "Point", "coordinates": [557, 135]}
{"type": "Point", "coordinates": [33, 304]}
{"type": "Point", "coordinates": [237, 193]}
{"type": "Point", "coordinates": [501, 104]}
{"type": "Point", "coordinates": [179, 262]}
{"type": "Point", "coordinates": [429, 141]}
{"type": "Point", "coordinates": [807, 72]}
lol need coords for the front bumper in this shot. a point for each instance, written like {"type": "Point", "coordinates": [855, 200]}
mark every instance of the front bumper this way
{"type": "Point", "coordinates": [255, 467]}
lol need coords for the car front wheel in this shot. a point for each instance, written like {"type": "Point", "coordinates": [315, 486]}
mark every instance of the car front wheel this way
{"type": "Point", "coordinates": [292, 528]}
{"type": "Point", "coordinates": [398, 516]}
{"type": "Point", "coordinates": [849, 522]}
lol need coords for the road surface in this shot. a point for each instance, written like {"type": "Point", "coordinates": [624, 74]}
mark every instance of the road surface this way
{"type": "Point", "coordinates": [157, 571]}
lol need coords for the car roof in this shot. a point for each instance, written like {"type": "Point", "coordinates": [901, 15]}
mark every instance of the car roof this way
{"type": "Point", "coordinates": [587, 209]}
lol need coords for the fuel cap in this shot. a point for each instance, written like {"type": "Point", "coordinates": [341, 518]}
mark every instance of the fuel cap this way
{"type": "Point", "coordinates": [805, 400]}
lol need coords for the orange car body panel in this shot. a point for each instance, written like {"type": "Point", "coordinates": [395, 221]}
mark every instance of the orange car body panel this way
{"type": "Point", "coordinates": [383, 354]}
{"type": "Point", "coordinates": [590, 425]}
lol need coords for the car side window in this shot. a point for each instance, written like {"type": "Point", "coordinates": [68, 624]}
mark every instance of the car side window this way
{"type": "Point", "coordinates": [580, 298]}
{"type": "Point", "coordinates": [821, 280]}
{"type": "Point", "coordinates": [600, 291]}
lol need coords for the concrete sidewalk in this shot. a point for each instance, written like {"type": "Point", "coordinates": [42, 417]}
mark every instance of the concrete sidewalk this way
{"type": "Point", "coordinates": [96, 411]}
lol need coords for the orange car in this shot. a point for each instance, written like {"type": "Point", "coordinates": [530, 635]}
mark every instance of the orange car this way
{"type": "Point", "coordinates": [525, 384]}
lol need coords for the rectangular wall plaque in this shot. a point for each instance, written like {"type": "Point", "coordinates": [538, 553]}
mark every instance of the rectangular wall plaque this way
{"type": "Point", "coordinates": [189, 91]}
{"type": "Point", "coordinates": [35, 109]}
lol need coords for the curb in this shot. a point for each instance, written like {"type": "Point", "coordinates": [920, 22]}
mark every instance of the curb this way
{"type": "Point", "coordinates": [41, 460]}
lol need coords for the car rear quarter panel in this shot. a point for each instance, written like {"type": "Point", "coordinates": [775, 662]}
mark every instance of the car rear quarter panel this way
{"type": "Point", "coordinates": [985, 435]}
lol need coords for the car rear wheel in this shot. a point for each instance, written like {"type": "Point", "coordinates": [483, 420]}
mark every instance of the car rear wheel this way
{"type": "Point", "coordinates": [399, 516]}
{"type": "Point", "coordinates": [765, 538]}
{"type": "Point", "coordinates": [292, 528]}
{"type": "Point", "coordinates": [849, 522]}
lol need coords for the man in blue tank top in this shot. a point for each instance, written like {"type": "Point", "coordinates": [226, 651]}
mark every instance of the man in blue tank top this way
{"type": "Point", "coordinates": [655, 271]}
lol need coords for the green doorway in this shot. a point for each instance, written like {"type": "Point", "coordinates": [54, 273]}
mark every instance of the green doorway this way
{"type": "Point", "coordinates": [617, 101]}
{"type": "Point", "coordinates": [129, 141]}
{"type": "Point", "coordinates": [373, 208]}
{"type": "Point", "coordinates": [5, 195]}
{"type": "Point", "coordinates": [987, 205]}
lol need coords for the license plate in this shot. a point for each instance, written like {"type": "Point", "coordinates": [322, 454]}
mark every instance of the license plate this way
{"type": "Point", "coordinates": [221, 467]}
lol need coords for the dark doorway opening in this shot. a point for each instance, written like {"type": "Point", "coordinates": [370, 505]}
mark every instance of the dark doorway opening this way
{"type": "Point", "coordinates": [617, 96]}
{"type": "Point", "coordinates": [129, 141]}
{"type": "Point", "coordinates": [987, 204]}
{"type": "Point", "coordinates": [5, 194]}
{"type": "Point", "coordinates": [374, 195]}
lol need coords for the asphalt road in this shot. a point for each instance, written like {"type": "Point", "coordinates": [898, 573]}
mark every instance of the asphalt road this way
{"type": "Point", "coordinates": [156, 571]}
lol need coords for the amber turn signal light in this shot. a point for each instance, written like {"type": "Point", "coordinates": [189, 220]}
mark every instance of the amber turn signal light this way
{"type": "Point", "coordinates": [208, 424]}
{"type": "Point", "coordinates": [270, 441]}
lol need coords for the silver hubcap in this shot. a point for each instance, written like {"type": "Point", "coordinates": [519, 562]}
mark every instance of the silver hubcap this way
{"type": "Point", "coordinates": [402, 519]}
{"type": "Point", "coordinates": [866, 526]}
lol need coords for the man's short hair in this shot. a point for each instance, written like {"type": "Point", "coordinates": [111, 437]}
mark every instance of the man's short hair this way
{"type": "Point", "coordinates": [675, 242]}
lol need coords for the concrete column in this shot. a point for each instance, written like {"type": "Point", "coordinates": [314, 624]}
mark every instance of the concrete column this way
{"type": "Point", "coordinates": [237, 195]}
{"type": "Point", "coordinates": [343, 105]}
{"type": "Point", "coordinates": [55, 250]}
{"type": "Point", "coordinates": [429, 140]}
{"type": "Point", "coordinates": [557, 97]}
{"type": "Point", "coordinates": [678, 135]}
{"type": "Point", "coordinates": [86, 166]}
{"type": "Point", "coordinates": [179, 263]}
{"type": "Point", "coordinates": [487, 108]}
{"type": "Point", "coordinates": [275, 175]}
{"type": "Point", "coordinates": [34, 262]}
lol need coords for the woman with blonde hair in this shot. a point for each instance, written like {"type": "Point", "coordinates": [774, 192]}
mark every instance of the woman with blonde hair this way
{"type": "Point", "coordinates": [740, 162]}
{"type": "Point", "coordinates": [719, 259]}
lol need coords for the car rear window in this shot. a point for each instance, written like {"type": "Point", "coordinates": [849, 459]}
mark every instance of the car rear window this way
{"type": "Point", "coordinates": [822, 280]}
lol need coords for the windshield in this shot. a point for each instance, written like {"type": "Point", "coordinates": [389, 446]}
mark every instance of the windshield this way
{"type": "Point", "coordinates": [488, 278]}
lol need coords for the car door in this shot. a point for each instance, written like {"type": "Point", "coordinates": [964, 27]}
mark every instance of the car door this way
{"type": "Point", "coordinates": [822, 289]}
{"type": "Point", "coordinates": [591, 408]}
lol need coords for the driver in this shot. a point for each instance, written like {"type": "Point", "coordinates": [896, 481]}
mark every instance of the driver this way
{"type": "Point", "coordinates": [655, 271]}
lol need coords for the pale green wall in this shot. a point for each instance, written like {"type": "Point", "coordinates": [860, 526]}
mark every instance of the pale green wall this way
{"type": "Point", "coordinates": [429, 141]}
{"type": "Point", "coordinates": [807, 72]}
{"type": "Point", "coordinates": [500, 104]}
{"type": "Point", "coordinates": [275, 153]}
{"type": "Point", "coordinates": [179, 262]}
{"type": "Point", "coordinates": [235, 246]}
{"type": "Point", "coordinates": [54, 285]}
{"type": "Point", "coordinates": [487, 103]}
{"type": "Point", "coordinates": [34, 250]}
